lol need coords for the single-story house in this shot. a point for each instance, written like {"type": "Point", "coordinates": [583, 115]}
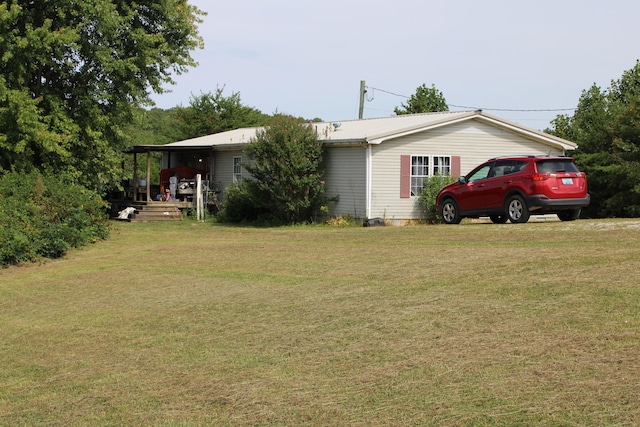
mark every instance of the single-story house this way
{"type": "Point", "coordinates": [376, 167]}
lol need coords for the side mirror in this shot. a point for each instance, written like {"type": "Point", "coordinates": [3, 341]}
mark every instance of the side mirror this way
{"type": "Point", "coordinates": [462, 180]}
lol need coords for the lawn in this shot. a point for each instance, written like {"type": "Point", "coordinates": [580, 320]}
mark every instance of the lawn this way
{"type": "Point", "coordinates": [191, 324]}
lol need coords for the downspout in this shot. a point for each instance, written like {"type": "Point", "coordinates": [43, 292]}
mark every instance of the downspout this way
{"type": "Point", "coordinates": [368, 181]}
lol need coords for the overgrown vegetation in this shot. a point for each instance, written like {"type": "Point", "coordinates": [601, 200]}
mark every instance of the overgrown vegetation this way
{"type": "Point", "coordinates": [606, 127]}
{"type": "Point", "coordinates": [432, 186]}
{"type": "Point", "coordinates": [210, 113]}
{"type": "Point", "coordinates": [286, 184]}
{"type": "Point", "coordinates": [73, 73]}
{"type": "Point", "coordinates": [44, 216]}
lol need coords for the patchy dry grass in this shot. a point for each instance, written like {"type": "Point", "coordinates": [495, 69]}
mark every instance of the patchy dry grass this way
{"type": "Point", "coordinates": [193, 324]}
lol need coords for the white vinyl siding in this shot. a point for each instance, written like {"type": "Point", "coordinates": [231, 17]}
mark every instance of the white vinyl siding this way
{"type": "Point", "coordinates": [473, 141]}
{"type": "Point", "coordinates": [223, 168]}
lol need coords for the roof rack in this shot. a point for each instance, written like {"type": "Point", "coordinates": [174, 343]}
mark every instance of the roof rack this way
{"type": "Point", "coordinates": [529, 156]}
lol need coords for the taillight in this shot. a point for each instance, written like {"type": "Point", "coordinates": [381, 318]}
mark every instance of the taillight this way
{"type": "Point", "coordinates": [540, 176]}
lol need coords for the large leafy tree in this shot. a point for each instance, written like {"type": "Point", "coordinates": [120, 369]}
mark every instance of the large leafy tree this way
{"type": "Point", "coordinates": [287, 169]}
{"type": "Point", "coordinates": [72, 73]}
{"type": "Point", "coordinates": [425, 100]}
{"type": "Point", "coordinates": [606, 126]}
{"type": "Point", "coordinates": [213, 112]}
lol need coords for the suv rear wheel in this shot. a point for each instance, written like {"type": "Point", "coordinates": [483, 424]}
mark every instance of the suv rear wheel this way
{"type": "Point", "coordinates": [449, 212]}
{"type": "Point", "coordinates": [569, 215]}
{"type": "Point", "coordinates": [498, 219]}
{"type": "Point", "coordinates": [517, 210]}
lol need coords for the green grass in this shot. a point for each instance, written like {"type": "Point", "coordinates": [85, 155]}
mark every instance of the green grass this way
{"type": "Point", "coordinates": [193, 324]}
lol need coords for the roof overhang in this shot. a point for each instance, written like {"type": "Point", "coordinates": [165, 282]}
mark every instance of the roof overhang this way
{"type": "Point", "coordinates": [445, 121]}
{"type": "Point", "coordinates": [538, 136]}
{"type": "Point", "coordinates": [173, 148]}
{"type": "Point", "coordinates": [542, 137]}
{"type": "Point", "coordinates": [358, 133]}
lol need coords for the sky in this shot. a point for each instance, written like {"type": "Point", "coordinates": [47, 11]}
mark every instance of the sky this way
{"type": "Point", "coordinates": [307, 59]}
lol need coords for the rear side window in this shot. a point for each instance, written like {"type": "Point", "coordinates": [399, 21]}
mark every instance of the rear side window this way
{"type": "Point", "coordinates": [556, 165]}
{"type": "Point", "coordinates": [506, 167]}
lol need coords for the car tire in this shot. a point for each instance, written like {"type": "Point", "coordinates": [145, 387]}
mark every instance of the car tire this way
{"type": "Point", "coordinates": [517, 210]}
{"type": "Point", "coordinates": [498, 219]}
{"type": "Point", "coordinates": [569, 215]}
{"type": "Point", "coordinates": [449, 212]}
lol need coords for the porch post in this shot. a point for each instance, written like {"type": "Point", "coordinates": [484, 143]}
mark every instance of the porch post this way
{"type": "Point", "coordinates": [148, 175]}
{"type": "Point", "coordinates": [135, 176]}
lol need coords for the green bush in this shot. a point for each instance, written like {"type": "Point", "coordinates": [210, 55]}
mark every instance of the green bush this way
{"type": "Point", "coordinates": [432, 187]}
{"type": "Point", "coordinates": [245, 203]}
{"type": "Point", "coordinates": [286, 165]}
{"type": "Point", "coordinates": [44, 216]}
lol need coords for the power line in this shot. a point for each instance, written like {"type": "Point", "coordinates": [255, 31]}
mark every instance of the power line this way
{"type": "Point", "coordinates": [543, 110]}
{"type": "Point", "coordinates": [515, 109]}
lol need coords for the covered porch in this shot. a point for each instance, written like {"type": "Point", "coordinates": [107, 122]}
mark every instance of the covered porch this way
{"type": "Point", "coordinates": [182, 183]}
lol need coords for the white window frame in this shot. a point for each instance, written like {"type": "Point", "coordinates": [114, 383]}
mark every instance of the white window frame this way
{"type": "Point", "coordinates": [441, 166]}
{"type": "Point", "coordinates": [419, 172]}
{"type": "Point", "coordinates": [237, 169]}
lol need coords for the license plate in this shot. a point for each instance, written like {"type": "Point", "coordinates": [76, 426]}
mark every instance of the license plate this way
{"type": "Point", "coordinates": [567, 181]}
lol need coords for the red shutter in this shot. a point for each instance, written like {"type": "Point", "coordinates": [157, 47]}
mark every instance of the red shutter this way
{"type": "Point", "coordinates": [405, 177]}
{"type": "Point", "coordinates": [455, 166]}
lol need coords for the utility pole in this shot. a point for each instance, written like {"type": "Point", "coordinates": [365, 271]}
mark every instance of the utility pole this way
{"type": "Point", "coordinates": [363, 90]}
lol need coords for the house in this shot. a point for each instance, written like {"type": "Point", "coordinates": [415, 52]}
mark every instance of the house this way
{"type": "Point", "coordinates": [376, 167]}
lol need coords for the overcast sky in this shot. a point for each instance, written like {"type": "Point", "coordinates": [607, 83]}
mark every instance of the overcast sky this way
{"type": "Point", "coordinates": [307, 58]}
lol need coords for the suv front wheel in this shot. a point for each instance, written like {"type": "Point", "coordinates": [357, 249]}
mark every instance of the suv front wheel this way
{"type": "Point", "coordinates": [449, 212]}
{"type": "Point", "coordinates": [517, 210]}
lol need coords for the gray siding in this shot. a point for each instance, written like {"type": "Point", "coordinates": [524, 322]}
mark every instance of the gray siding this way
{"type": "Point", "coordinates": [223, 168]}
{"type": "Point", "coordinates": [473, 141]}
{"type": "Point", "coordinates": [345, 177]}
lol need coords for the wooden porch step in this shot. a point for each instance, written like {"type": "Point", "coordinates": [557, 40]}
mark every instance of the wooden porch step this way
{"type": "Point", "coordinates": [158, 211]}
{"type": "Point", "coordinates": [155, 211]}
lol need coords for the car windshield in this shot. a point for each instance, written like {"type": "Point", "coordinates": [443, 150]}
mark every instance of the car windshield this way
{"type": "Point", "coordinates": [556, 165]}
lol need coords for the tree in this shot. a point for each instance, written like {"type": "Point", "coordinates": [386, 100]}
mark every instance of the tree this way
{"type": "Point", "coordinates": [72, 73]}
{"type": "Point", "coordinates": [606, 127]}
{"type": "Point", "coordinates": [212, 113]}
{"type": "Point", "coordinates": [152, 127]}
{"type": "Point", "coordinates": [286, 168]}
{"type": "Point", "coordinates": [425, 100]}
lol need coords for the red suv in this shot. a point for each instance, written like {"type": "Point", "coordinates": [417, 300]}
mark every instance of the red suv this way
{"type": "Point", "coordinates": [513, 188]}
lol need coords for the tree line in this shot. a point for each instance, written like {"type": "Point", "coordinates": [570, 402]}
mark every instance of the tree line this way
{"type": "Point", "coordinates": [73, 75]}
{"type": "Point", "coordinates": [76, 80]}
{"type": "Point", "coordinates": [606, 127]}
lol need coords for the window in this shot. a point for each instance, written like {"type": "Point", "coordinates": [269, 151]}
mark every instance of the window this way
{"type": "Point", "coordinates": [419, 171]}
{"type": "Point", "coordinates": [547, 166]}
{"type": "Point", "coordinates": [423, 167]}
{"type": "Point", "coordinates": [507, 167]}
{"type": "Point", "coordinates": [415, 169]}
{"type": "Point", "coordinates": [237, 169]}
{"type": "Point", "coordinates": [441, 165]}
{"type": "Point", "coordinates": [480, 173]}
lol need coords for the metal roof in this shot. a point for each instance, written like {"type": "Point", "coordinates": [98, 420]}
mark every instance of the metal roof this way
{"type": "Point", "coordinates": [369, 131]}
